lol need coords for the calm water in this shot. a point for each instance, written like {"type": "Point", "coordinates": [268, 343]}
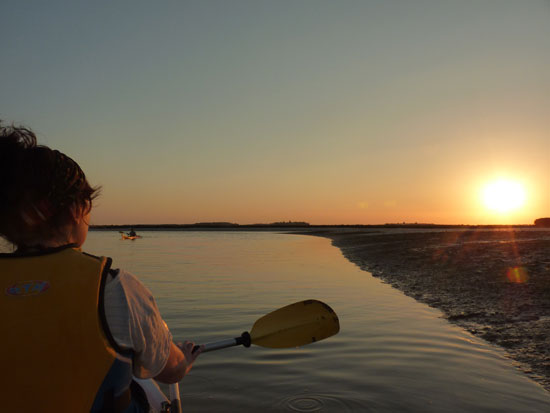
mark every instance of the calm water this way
{"type": "Point", "coordinates": [392, 353]}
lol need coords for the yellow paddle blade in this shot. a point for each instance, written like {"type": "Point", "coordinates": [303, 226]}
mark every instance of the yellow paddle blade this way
{"type": "Point", "coordinates": [295, 325]}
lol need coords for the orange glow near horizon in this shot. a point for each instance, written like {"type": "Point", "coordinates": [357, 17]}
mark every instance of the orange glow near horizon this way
{"type": "Point", "coordinates": [494, 201]}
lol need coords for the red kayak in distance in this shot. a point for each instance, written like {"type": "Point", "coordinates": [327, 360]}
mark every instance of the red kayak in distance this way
{"type": "Point", "coordinates": [124, 236]}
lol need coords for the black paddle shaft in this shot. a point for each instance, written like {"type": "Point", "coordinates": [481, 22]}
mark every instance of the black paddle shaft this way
{"type": "Point", "coordinates": [244, 340]}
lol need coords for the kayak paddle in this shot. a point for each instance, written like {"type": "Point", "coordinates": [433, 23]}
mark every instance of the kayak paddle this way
{"type": "Point", "coordinates": [294, 325]}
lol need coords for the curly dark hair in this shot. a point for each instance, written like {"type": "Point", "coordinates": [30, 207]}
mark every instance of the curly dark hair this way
{"type": "Point", "coordinates": [40, 188]}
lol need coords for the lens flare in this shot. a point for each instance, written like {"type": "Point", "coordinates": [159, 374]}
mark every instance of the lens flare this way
{"type": "Point", "coordinates": [504, 195]}
{"type": "Point", "coordinates": [517, 275]}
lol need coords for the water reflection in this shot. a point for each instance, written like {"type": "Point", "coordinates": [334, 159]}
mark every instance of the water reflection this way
{"type": "Point", "coordinates": [392, 353]}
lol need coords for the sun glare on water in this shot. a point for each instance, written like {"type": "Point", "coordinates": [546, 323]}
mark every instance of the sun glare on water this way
{"type": "Point", "coordinates": [503, 195]}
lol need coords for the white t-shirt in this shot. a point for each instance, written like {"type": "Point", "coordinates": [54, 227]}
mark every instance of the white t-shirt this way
{"type": "Point", "coordinates": [135, 323]}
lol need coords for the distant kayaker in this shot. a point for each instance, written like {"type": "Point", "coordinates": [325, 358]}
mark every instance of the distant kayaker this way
{"type": "Point", "coordinates": [132, 233]}
{"type": "Point", "coordinates": [74, 330]}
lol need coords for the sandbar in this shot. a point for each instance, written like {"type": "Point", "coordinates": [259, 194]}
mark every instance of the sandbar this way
{"type": "Point", "coordinates": [495, 284]}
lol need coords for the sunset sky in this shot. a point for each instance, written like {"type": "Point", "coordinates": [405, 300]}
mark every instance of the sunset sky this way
{"type": "Point", "coordinates": [331, 112]}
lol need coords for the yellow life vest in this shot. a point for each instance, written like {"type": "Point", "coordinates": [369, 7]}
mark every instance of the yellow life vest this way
{"type": "Point", "coordinates": [55, 354]}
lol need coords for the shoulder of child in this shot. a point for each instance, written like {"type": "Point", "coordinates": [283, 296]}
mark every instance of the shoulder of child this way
{"type": "Point", "coordinates": [149, 336]}
{"type": "Point", "coordinates": [132, 287]}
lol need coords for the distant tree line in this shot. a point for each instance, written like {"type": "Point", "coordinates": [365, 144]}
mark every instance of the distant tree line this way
{"type": "Point", "coordinates": [542, 222]}
{"type": "Point", "coordinates": [294, 224]}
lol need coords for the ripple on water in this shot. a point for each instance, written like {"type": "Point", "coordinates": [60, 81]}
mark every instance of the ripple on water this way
{"type": "Point", "coordinates": [197, 386]}
{"type": "Point", "coordinates": [311, 402]}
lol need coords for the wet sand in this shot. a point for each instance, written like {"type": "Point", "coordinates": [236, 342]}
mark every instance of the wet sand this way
{"type": "Point", "coordinates": [495, 284]}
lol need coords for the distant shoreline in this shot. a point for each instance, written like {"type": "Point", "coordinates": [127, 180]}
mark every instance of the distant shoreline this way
{"type": "Point", "coordinates": [290, 227]}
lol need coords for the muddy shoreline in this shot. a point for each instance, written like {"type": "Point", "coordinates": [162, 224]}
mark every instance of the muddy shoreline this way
{"type": "Point", "coordinates": [495, 284]}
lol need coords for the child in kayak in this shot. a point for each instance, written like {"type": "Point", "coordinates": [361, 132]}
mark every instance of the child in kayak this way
{"type": "Point", "coordinates": [74, 329]}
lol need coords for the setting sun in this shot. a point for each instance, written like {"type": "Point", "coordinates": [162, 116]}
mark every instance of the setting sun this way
{"type": "Point", "coordinates": [503, 195]}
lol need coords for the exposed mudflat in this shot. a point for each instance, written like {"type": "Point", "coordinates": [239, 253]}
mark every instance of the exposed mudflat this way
{"type": "Point", "coordinates": [495, 284]}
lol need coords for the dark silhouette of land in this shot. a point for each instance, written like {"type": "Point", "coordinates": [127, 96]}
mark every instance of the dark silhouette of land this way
{"type": "Point", "coordinates": [542, 222]}
{"type": "Point", "coordinates": [228, 226]}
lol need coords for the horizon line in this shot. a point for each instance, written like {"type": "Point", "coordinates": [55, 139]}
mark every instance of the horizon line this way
{"type": "Point", "coordinates": [225, 225]}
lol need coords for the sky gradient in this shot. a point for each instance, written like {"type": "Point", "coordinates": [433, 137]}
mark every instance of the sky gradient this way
{"type": "Point", "coordinates": [348, 112]}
